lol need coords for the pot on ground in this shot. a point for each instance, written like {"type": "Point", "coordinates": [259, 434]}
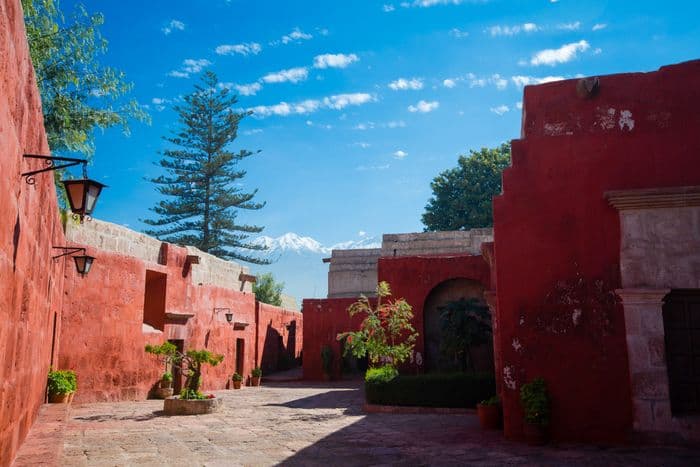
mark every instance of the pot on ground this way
{"type": "Point", "coordinates": [60, 398]}
{"type": "Point", "coordinates": [489, 416]}
{"type": "Point", "coordinates": [255, 380]}
{"type": "Point", "coordinates": [163, 393]}
{"type": "Point", "coordinates": [236, 385]}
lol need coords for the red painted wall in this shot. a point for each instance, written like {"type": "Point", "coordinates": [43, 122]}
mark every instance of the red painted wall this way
{"type": "Point", "coordinates": [279, 330]}
{"type": "Point", "coordinates": [31, 284]}
{"type": "Point", "coordinates": [410, 277]}
{"type": "Point", "coordinates": [552, 223]}
{"type": "Point", "coordinates": [103, 334]}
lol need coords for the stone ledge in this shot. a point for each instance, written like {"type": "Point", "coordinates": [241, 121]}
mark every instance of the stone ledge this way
{"type": "Point", "coordinates": [177, 406]}
{"type": "Point", "coordinates": [653, 198]}
{"type": "Point", "coordinates": [402, 409]}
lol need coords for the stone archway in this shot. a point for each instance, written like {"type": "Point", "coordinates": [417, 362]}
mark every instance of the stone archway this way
{"type": "Point", "coordinates": [449, 291]}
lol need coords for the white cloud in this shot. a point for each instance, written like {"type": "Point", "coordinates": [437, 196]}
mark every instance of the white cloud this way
{"type": "Point", "coordinates": [160, 103]}
{"type": "Point", "coordinates": [429, 3]}
{"type": "Point", "coordinates": [512, 30]}
{"type": "Point", "coordinates": [521, 81]}
{"type": "Point", "coordinates": [599, 26]}
{"type": "Point", "coordinates": [364, 126]}
{"type": "Point", "coordinates": [336, 102]}
{"type": "Point", "coordinates": [569, 26]}
{"type": "Point", "coordinates": [458, 33]}
{"type": "Point", "coordinates": [563, 54]}
{"type": "Point", "coordinates": [245, 49]}
{"type": "Point", "coordinates": [254, 131]}
{"type": "Point", "coordinates": [334, 60]}
{"type": "Point", "coordinates": [449, 83]}
{"type": "Point", "coordinates": [387, 8]}
{"type": "Point", "coordinates": [402, 84]}
{"type": "Point", "coordinates": [190, 66]}
{"type": "Point", "coordinates": [361, 144]}
{"type": "Point", "coordinates": [361, 233]}
{"type": "Point", "coordinates": [173, 25]}
{"type": "Point", "coordinates": [396, 124]}
{"type": "Point", "coordinates": [247, 89]}
{"type": "Point", "coordinates": [400, 154]}
{"type": "Point", "coordinates": [424, 106]}
{"type": "Point", "coordinates": [363, 168]}
{"type": "Point", "coordinates": [340, 101]}
{"type": "Point", "coordinates": [500, 82]}
{"type": "Point", "coordinates": [500, 110]}
{"type": "Point", "coordinates": [519, 104]}
{"type": "Point", "coordinates": [296, 35]}
{"type": "Point", "coordinates": [178, 74]}
{"type": "Point", "coordinates": [293, 75]}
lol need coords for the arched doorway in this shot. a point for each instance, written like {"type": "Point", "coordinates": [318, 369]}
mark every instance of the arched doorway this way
{"type": "Point", "coordinates": [450, 292]}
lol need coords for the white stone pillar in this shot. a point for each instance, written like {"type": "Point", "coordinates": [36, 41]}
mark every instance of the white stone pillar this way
{"type": "Point", "coordinates": [647, 360]}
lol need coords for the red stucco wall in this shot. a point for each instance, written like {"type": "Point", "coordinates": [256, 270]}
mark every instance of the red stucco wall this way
{"type": "Point", "coordinates": [410, 277]}
{"type": "Point", "coordinates": [552, 224]}
{"type": "Point", "coordinates": [31, 284]}
{"type": "Point", "coordinates": [103, 334]}
{"type": "Point", "coordinates": [279, 330]}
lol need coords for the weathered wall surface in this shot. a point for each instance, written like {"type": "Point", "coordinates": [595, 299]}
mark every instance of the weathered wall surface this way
{"type": "Point", "coordinates": [557, 243]}
{"type": "Point", "coordinates": [31, 283]}
{"type": "Point", "coordinates": [280, 332]}
{"type": "Point", "coordinates": [435, 243]}
{"type": "Point", "coordinates": [352, 273]}
{"type": "Point", "coordinates": [103, 326]}
{"type": "Point", "coordinates": [410, 277]}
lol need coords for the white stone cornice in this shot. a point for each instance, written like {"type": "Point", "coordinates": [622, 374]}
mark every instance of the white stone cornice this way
{"type": "Point", "coordinates": [642, 296]}
{"type": "Point", "coordinates": [654, 198]}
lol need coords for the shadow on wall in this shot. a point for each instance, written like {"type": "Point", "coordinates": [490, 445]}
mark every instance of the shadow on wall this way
{"type": "Point", "coordinates": [276, 356]}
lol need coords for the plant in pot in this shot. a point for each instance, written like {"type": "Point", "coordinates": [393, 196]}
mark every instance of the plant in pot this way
{"type": "Point", "coordinates": [62, 384]}
{"type": "Point", "coordinates": [166, 353]}
{"type": "Point", "coordinates": [236, 379]}
{"type": "Point", "coordinates": [489, 412]}
{"type": "Point", "coordinates": [255, 376]}
{"type": "Point", "coordinates": [327, 362]}
{"type": "Point", "coordinates": [534, 398]}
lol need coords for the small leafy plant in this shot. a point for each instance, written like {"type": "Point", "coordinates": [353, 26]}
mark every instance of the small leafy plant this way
{"type": "Point", "coordinates": [237, 377]}
{"type": "Point", "coordinates": [534, 397]}
{"type": "Point", "coordinates": [383, 374]}
{"type": "Point", "coordinates": [493, 400]}
{"type": "Point", "coordinates": [189, 394]}
{"type": "Point", "coordinates": [256, 372]}
{"type": "Point", "coordinates": [167, 377]}
{"type": "Point", "coordinates": [189, 362]}
{"type": "Point", "coordinates": [62, 382]}
{"type": "Point", "coordinates": [327, 359]}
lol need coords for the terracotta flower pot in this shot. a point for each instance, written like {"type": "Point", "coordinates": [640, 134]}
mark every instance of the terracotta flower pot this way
{"type": "Point", "coordinates": [164, 384]}
{"type": "Point", "coordinates": [59, 398]}
{"type": "Point", "coordinates": [255, 380]}
{"type": "Point", "coordinates": [535, 435]}
{"type": "Point", "coordinates": [489, 416]}
{"type": "Point", "coordinates": [236, 385]}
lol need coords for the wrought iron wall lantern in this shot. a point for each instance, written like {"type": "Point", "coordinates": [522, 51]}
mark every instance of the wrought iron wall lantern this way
{"type": "Point", "coordinates": [83, 262]}
{"type": "Point", "coordinates": [82, 193]}
{"type": "Point", "coordinates": [227, 313]}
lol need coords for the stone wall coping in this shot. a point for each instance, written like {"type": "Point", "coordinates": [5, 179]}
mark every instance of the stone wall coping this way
{"type": "Point", "coordinates": [642, 296]}
{"type": "Point", "coordinates": [654, 198]}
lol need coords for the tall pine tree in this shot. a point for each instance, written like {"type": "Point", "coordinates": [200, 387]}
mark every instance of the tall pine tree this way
{"type": "Point", "coordinates": [201, 185]}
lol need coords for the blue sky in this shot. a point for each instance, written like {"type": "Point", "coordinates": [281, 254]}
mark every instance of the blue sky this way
{"type": "Point", "coordinates": [359, 104]}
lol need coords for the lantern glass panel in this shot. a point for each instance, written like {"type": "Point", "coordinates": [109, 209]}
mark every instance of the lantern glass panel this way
{"type": "Point", "coordinates": [75, 190]}
{"type": "Point", "coordinates": [93, 192]}
{"type": "Point", "coordinates": [83, 263]}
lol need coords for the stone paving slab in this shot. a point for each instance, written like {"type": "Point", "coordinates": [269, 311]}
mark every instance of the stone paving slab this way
{"type": "Point", "coordinates": [313, 424]}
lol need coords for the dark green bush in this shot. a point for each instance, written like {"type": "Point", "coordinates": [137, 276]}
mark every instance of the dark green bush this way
{"type": "Point", "coordinates": [534, 397]}
{"type": "Point", "coordinates": [432, 390]}
{"type": "Point", "coordinates": [62, 382]}
{"type": "Point", "coordinates": [382, 374]}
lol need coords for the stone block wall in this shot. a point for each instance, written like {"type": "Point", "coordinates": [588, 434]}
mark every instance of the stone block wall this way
{"type": "Point", "coordinates": [352, 272]}
{"type": "Point", "coordinates": [435, 243]}
{"type": "Point", "coordinates": [31, 284]}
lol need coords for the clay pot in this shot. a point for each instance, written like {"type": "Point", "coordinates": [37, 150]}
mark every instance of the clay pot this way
{"type": "Point", "coordinates": [255, 380]}
{"type": "Point", "coordinates": [236, 385]}
{"type": "Point", "coordinates": [535, 435]}
{"type": "Point", "coordinates": [165, 384]}
{"type": "Point", "coordinates": [59, 398]}
{"type": "Point", "coordinates": [489, 416]}
{"type": "Point", "coordinates": [163, 393]}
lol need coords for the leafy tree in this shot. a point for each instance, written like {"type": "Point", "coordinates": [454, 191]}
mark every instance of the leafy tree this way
{"type": "Point", "coordinates": [267, 290]}
{"type": "Point", "coordinates": [462, 196]}
{"type": "Point", "coordinates": [202, 181]}
{"type": "Point", "coordinates": [78, 94]}
{"type": "Point", "coordinates": [189, 362]}
{"type": "Point", "coordinates": [386, 334]}
{"type": "Point", "coordinates": [464, 323]}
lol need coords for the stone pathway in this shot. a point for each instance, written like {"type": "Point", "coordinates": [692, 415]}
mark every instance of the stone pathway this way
{"type": "Point", "coordinates": [322, 424]}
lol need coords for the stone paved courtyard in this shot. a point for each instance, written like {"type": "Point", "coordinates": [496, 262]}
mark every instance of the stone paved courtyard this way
{"type": "Point", "coordinates": [307, 424]}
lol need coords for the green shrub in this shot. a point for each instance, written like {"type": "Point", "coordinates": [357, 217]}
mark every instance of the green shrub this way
{"type": "Point", "coordinates": [189, 394]}
{"type": "Point", "coordinates": [167, 377]}
{"type": "Point", "coordinates": [382, 374]}
{"type": "Point", "coordinates": [62, 382]}
{"type": "Point", "coordinates": [493, 400]}
{"type": "Point", "coordinates": [257, 372]}
{"type": "Point", "coordinates": [237, 377]}
{"type": "Point", "coordinates": [535, 400]}
{"type": "Point", "coordinates": [327, 359]}
{"type": "Point", "coordinates": [432, 390]}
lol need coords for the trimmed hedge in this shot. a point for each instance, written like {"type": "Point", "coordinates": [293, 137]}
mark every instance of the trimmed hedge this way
{"type": "Point", "coordinates": [432, 390]}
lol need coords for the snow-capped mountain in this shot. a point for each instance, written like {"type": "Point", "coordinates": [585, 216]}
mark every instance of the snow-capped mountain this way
{"type": "Point", "coordinates": [296, 261]}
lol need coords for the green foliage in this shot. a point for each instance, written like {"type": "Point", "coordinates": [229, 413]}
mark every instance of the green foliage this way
{"type": "Point", "coordinates": [462, 196]}
{"type": "Point", "coordinates": [202, 181]}
{"type": "Point", "coordinates": [190, 362]}
{"type": "Point", "coordinates": [167, 377]}
{"type": "Point", "coordinates": [327, 359]}
{"type": "Point", "coordinates": [383, 374]}
{"type": "Point", "coordinates": [237, 377]}
{"type": "Point", "coordinates": [166, 349]}
{"type": "Point", "coordinates": [267, 290]}
{"type": "Point", "coordinates": [493, 400]}
{"type": "Point", "coordinates": [256, 373]}
{"type": "Point", "coordinates": [78, 93]}
{"type": "Point", "coordinates": [386, 334]}
{"type": "Point", "coordinates": [432, 390]}
{"type": "Point", "coordinates": [464, 323]}
{"type": "Point", "coordinates": [190, 394]}
{"type": "Point", "coordinates": [62, 382]}
{"type": "Point", "coordinates": [534, 397]}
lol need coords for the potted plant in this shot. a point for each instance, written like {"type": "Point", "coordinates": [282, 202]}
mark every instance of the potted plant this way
{"type": "Point", "coordinates": [62, 384]}
{"type": "Point", "coordinates": [489, 412]}
{"type": "Point", "coordinates": [237, 379]}
{"type": "Point", "coordinates": [534, 398]}
{"type": "Point", "coordinates": [327, 362]}
{"type": "Point", "coordinates": [255, 376]}
{"type": "Point", "coordinates": [165, 386]}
